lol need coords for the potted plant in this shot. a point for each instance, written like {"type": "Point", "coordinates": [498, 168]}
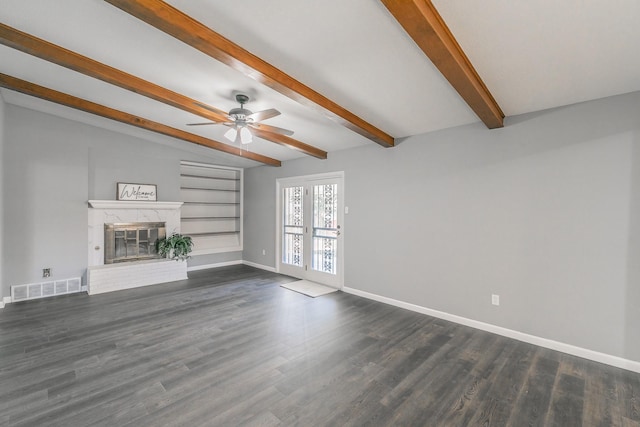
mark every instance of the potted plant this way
{"type": "Point", "coordinates": [176, 246]}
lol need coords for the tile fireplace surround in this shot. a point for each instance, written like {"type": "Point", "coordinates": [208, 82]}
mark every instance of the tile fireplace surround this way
{"type": "Point", "coordinates": [126, 275]}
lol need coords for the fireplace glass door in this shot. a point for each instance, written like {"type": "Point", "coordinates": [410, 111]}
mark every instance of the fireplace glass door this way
{"type": "Point", "coordinates": [132, 241]}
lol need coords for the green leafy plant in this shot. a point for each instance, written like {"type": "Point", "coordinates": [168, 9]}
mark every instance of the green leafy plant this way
{"type": "Point", "coordinates": [175, 247]}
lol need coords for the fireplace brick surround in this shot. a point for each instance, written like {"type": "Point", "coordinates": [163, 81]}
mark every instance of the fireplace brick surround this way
{"type": "Point", "coordinates": [126, 275]}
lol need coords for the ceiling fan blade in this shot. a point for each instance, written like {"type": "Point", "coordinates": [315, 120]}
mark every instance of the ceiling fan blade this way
{"type": "Point", "coordinates": [212, 123]}
{"type": "Point", "coordinates": [258, 116]}
{"type": "Point", "coordinates": [272, 129]}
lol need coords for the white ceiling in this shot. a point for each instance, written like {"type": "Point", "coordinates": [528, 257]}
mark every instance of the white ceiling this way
{"type": "Point", "coordinates": [532, 55]}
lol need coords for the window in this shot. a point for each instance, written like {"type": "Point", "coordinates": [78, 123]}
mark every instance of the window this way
{"type": "Point", "coordinates": [212, 210]}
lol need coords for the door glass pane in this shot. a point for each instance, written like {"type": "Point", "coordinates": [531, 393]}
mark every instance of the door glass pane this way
{"type": "Point", "coordinates": [293, 226]}
{"type": "Point", "coordinates": [132, 242]}
{"type": "Point", "coordinates": [121, 244]}
{"type": "Point", "coordinates": [325, 228]}
{"type": "Point", "coordinates": [153, 236]}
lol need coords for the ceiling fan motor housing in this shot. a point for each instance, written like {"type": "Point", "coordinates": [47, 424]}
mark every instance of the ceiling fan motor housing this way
{"type": "Point", "coordinates": [240, 113]}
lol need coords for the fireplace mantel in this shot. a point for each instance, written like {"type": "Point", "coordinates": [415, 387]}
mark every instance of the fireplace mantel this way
{"type": "Point", "coordinates": [127, 204]}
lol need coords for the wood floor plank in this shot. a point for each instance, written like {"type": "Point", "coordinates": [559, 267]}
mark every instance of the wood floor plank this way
{"type": "Point", "coordinates": [627, 392]}
{"type": "Point", "coordinates": [506, 384]}
{"type": "Point", "coordinates": [532, 405]}
{"type": "Point", "coordinates": [229, 346]}
{"type": "Point", "coordinates": [567, 401]}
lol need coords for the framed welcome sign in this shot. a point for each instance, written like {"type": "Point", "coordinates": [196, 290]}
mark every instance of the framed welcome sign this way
{"type": "Point", "coordinates": [138, 192]}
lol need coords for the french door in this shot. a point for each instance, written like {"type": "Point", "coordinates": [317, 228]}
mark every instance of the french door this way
{"type": "Point", "coordinates": [310, 228]}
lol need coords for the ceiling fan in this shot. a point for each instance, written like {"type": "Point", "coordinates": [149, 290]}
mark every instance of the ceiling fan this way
{"type": "Point", "coordinates": [241, 121]}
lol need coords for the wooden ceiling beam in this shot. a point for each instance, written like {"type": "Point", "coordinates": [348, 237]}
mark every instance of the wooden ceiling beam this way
{"type": "Point", "coordinates": [58, 55]}
{"type": "Point", "coordinates": [66, 58]}
{"type": "Point", "coordinates": [286, 141]}
{"type": "Point", "coordinates": [181, 26]}
{"type": "Point", "coordinates": [47, 94]}
{"type": "Point", "coordinates": [425, 26]}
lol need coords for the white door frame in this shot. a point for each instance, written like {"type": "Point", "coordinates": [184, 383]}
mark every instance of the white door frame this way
{"type": "Point", "coordinates": [283, 182]}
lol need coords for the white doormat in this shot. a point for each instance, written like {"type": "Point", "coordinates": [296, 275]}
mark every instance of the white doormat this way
{"type": "Point", "coordinates": [308, 288]}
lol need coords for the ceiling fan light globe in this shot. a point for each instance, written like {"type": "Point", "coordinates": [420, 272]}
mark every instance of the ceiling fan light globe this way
{"type": "Point", "coordinates": [231, 134]}
{"type": "Point", "coordinates": [245, 135]}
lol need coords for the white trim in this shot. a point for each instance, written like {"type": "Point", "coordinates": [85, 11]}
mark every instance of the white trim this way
{"type": "Point", "coordinates": [215, 265]}
{"type": "Point", "coordinates": [260, 266]}
{"type": "Point", "coordinates": [596, 356]}
{"type": "Point", "coordinates": [128, 204]}
{"type": "Point", "coordinates": [313, 177]}
{"type": "Point", "coordinates": [4, 301]}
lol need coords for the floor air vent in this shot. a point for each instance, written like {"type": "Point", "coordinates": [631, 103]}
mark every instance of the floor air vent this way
{"type": "Point", "coordinates": [45, 289]}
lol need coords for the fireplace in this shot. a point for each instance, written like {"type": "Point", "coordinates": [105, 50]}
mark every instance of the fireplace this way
{"type": "Point", "coordinates": [107, 273]}
{"type": "Point", "coordinates": [132, 241]}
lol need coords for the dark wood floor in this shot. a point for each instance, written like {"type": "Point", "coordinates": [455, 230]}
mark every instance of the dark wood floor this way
{"type": "Point", "coordinates": [230, 347]}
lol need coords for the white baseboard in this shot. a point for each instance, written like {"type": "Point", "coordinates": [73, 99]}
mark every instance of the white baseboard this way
{"type": "Point", "coordinates": [215, 265]}
{"type": "Point", "coordinates": [4, 301]}
{"type": "Point", "coordinates": [260, 266]}
{"type": "Point", "coordinates": [596, 356]}
{"type": "Point", "coordinates": [236, 262]}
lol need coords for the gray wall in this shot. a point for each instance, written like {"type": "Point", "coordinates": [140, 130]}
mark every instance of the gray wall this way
{"type": "Point", "coordinates": [207, 260]}
{"type": "Point", "coordinates": [2, 108]}
{"type": "Point", "coordinates": [544, 212]}
{"type": "Point", "coordinates": [51, 167]}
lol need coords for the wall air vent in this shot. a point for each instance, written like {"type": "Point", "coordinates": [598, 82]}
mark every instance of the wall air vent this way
{"type": "Point", "coordinates": [45, 289]}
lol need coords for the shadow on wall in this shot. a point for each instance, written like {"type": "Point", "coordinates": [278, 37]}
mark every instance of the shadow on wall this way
{"type": "Point", "coordinates": [632, 297]}
{"type": "Point", "coordinates": [525, 135]}
{"type": "Point", "coordinates": [23, 210]}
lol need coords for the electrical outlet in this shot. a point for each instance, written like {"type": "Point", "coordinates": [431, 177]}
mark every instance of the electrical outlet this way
{"type": "Point", "coordinates": [495, 299]}
{"type": "Point", "coordinates": [264, 252]}
{"type": "Point", "coordinates": [46, 272]}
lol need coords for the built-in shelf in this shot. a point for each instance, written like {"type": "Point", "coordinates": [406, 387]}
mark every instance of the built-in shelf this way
{"type": "Point", "coordinates": [209, 177]}
{"type": "Point", "coordinates": [212, 212]}
{"type": "Point", "coordinates": [209, 218]}
{"type": "Point", "coordinates": [208, 189]}
{"type": "Point", "coordinates": [212, 203]}
{"type": "Point", "coordinates": [214, 233]}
